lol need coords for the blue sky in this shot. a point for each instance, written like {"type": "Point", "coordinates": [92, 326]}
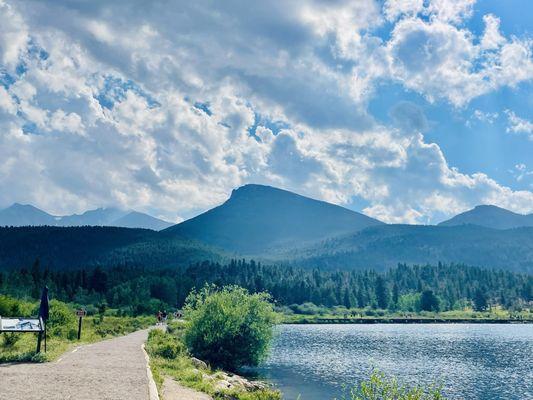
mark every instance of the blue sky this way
{"type": "Point", "coordinates": [409, 111]}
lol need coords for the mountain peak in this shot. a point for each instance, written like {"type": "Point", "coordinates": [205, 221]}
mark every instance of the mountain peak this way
{"type": "Point", "coordinates": [490, 216]}
{"type": "Point", "coordinates": [257, 217]}
{"type": "Point", "coordinates": [27, 215]}
{"type": "Point", "coordinates": [254, 188]}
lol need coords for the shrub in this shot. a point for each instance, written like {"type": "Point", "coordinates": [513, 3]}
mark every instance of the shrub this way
{"type": "Point", "coordinates": [229, 327]}
{"type": "Point", "coordinates": [72, 334]}
{"type": "Point", "coordinates": [10, 339]}
{"type": "Point", "coordinates": [10, 307]}
{"type": "Point", "coordinates": [164, 344]}
{"type": "Point", "coordinates": [380, 387]}
{"type": "Point", "coordinates": [60, 315]}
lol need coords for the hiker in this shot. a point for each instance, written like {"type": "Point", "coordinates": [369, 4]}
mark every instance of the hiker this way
{"type": "Point", "coordinates": [159, 316]}
{"type": "Point", "coordinates": [164, 316]}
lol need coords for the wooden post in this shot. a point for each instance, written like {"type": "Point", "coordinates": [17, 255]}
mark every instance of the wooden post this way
{"type": "Point", "coordinates": [79, 328]}
{"type": "Point", "coordinates": [39, 338]}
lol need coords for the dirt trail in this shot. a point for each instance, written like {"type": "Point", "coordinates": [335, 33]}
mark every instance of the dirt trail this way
{"type": "Point", "coordinates": [113, 369]}
{"type": "Point", "coordinates": [172, 390]}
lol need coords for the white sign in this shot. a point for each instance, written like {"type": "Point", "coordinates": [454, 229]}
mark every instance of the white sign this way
{"type": "Point", "coordinates": [20, 325]}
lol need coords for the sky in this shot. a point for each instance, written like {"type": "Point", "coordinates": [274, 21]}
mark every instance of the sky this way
{"type": "Point", "coordinates": [410, 111]}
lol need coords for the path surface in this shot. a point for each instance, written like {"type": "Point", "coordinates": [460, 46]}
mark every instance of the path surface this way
{"type": "Point", "coordinates": [113, 369]}
{"type": "Point", "coordinates": [172, 390]}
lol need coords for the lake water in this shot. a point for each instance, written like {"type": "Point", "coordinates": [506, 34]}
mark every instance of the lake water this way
{"type": "Point", "coordinates": [471, 361]}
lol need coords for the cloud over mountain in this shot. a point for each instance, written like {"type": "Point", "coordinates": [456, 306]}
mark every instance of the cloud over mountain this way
{"type": "Point", "coordinates": [165, 107]}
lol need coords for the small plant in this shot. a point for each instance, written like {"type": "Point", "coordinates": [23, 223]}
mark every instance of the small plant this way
{"type": "Point", "coordinates": [10, 339]}
{"type": "Point", "coordinates": [381, 387]}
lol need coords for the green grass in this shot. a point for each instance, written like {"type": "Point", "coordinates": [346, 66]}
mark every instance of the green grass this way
{"type": "Point", "coordinates": [341, 313]}
{"type": "Point", "coordinates": [169, 357]}
{"type": "Point", "coordinates": [62, 338]}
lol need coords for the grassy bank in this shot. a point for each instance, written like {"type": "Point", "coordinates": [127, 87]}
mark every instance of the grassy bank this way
{"type": "Point", "coordinates": [343, 315]}
{"type": "Point", "coordinates": [169, 357]}
{"type": "Point", "coordinates": [62, 329]}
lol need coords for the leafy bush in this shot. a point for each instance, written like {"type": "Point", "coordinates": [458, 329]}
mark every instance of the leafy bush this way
{"type": "Point", "coordinates": [10, 307]}
{"type": "Point", "coordinates": [229, 327]}
{"type": "Point", "coordinates": [380, 387]}
{"type": "Point", "coordinates": [164, 345]}
{"type": "Point", "coordinates": [60, 314]}
{"type": "Point", "coordinates": [10, 339]}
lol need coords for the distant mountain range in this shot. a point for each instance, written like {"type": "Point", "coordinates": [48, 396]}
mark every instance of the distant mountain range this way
{"type": "Point", "coordinates": [28, 215]}
{"type": "Point", "coordinates": [259, 218]}
{"type": "Point", "coordinates": [270, 225]}
{"type": "Point", "coordinates": [491, 217]}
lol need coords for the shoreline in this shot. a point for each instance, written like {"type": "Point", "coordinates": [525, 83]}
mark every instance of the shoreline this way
{"type": "Point", "coordinates": [367, 321]}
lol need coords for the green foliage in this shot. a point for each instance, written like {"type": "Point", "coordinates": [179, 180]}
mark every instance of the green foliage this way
{"type": "Point", "coordinates": [136, 290]}
{"type": "Point", "coordinates": [179, 366]}
{"type": "Point", "coordinates": [10, 339]}
{"type": "Point", "coordinates": [480, 300]}
{"type": "Point", "coordinates": [380, 387]}
{"type": "Point", "coordinates": [60, 314]}
{"type": "Point", "coordinates": [164, 345]}
{"type": "Point", "coordinates": [428, 301]}
{"type": "Point", "coordinates": [229, 327]}
{"type": "Point", "coordinates": [11, 307]}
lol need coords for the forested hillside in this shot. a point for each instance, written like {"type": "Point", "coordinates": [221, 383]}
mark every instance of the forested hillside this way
{"type": "Point", "coordinates": [382, 247]}
{"type": "Point", "coordinates": [403, 287]}
{"type": "Point", "coordinates": [378, 247]}
{"type": "Point", "coordinates": [62, 248]}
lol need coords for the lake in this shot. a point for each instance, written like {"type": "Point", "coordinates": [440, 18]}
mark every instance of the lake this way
{"type": "Point", "coordinates": [471, 361]}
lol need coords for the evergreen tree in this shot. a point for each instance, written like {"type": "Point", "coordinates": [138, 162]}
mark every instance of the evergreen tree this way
{"type": "Point", "coordinates": [428, 301]}
{"type": "Point", "coordinates": [382, 293]}
{"type": "Point", "coordinates": [480, 300]}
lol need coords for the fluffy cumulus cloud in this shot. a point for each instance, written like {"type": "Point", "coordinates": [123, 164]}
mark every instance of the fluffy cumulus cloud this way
{"type": "Point", "coordinates": [167, 107]}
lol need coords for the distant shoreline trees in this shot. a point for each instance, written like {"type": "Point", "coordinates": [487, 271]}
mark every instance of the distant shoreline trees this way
{"type": "Point", "coordinates": [138, 290]}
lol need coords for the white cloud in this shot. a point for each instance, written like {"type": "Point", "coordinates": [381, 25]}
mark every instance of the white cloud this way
{"type": "Point", "coordinates": [492, 38]}
{"type": "Point", "coordinates": [454, 11]}
{"type": "Point", "coordinates": [168, 109]}
{"type": "Point", "coordinates": [519, 125]}
{"type": "Point", "coordinates": [13, 35]}
{"type": "Point", "coordinates": [442, 61]}
{"type": "Point", "coordinates": [6, 102]}
{"type": "Point", "coordinates": [481, 116]}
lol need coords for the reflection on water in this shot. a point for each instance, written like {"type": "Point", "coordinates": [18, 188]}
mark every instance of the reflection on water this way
{"type": "Point", "coordinates": [471, 361]}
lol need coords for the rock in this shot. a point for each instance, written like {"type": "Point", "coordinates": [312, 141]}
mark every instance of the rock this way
{"type": "Point", "coordinates": [198, 363]}
{"type": "Point", "coordinates": [232, 381]}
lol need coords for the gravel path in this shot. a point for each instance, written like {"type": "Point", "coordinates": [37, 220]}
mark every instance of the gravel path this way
{"type": "Point", "coordinates": [113, 369]}
{"type": "Point", "coordinates": [172, 390]}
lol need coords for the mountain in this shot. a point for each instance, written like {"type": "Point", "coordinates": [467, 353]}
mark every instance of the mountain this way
{"type": "Point", "coordinates": [66, 248]}
{"type": "Point", "coordinates": [136, 219]}
{"type": "Point", "coordinates": [25, 214]}
{"type": "Point", "coordinates": [490, 217]}
{"type": "Point", "coordinates": [268, 224]}
{"type": "Point", "coordinates": [98, 217]}
{"type": "Point", "coordinates": [385, 246]}
{"type": "Point", "coordinates": [28, 215]}
{"type": "Point", "coordinates": [258, 218]}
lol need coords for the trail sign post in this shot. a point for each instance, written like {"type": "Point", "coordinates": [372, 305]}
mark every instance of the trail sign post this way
{"type": "Point", "coordinates": [23, 325]}
{"type": "Point", "coordinates": [80, 314]}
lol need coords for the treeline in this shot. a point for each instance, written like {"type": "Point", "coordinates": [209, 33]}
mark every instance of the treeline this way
{"type": "Point", "coordinates": [407, 288]}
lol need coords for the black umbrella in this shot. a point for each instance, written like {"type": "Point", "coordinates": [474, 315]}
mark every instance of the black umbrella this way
{"type": "Point", "coordinates": [44, 311]}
